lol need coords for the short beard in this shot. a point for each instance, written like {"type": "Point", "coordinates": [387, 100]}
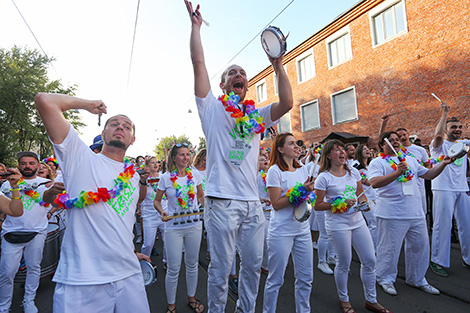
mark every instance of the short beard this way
{"type": "Point", "coordinates": [28, 175]}
{"type": "Point", "coordinates": [117, 144]}
{"type": "Point", "coordinates": [452, 137]}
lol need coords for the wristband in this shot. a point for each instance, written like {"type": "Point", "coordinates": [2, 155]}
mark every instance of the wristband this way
{"type": "Point", "coordinates": [297, 195]}
{"type": "Point", "coordinates": [143, 184]}
{"type": "Point", "coordinates": [338, 205]}
{"type": "Point", "coordinates": [15, 189]}
{"type": "Point", "coordinates": [16, 198]}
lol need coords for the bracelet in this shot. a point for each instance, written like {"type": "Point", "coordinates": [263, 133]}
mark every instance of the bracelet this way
{"type": "Point", "coordinates": [297, 195]}
{"type": "Point", "coordinates": [15, 189]}
{"type": "Point", "coordinates": [338, 205]}
{"type": "Point", "coordinates": [15, 198]}
{"type": "Point", "coordinates": [143, 184]}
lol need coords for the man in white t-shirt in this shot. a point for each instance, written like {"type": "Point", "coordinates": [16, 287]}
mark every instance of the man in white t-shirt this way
{"type": "Point", "coordinates": [399, 215]}
{"type": "Point", "coordinates": [33, 226]}
{"type": "Point", "coordinates": [234, 214]}
{"type": "Point", "coordinates": [98, 269]}
{"type": "Point", "coordinates": [449, 197]}
{"type": "Point", "coordinates": [350, 150]}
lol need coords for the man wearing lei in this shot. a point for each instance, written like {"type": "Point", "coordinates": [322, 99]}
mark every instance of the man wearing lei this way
{"type": "Point", "coordinates": [233, 213]}
{"type": "Point", "coordinates": [98, 269]}
{"type": "Point", "coordinates": [399, 215]}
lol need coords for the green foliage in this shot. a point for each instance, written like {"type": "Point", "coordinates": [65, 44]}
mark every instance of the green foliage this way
{"type": "Point", "coordinates": [202, 143]}
{"type": "Point", "coordinates": [167, 143]}
{"type": "Point", "coordinates": [23, 73]}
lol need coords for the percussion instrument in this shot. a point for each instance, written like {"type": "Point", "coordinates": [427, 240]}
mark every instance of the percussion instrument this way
{"type": "Point", "coordinates": [434, 95]}
{"type": "Point", "coordinates": [303, 211]}
{"type": "Point", "coordinates": [182, 214]}
{"type": "Point", "coordinates": [458, 150]}
{"type": "Point", "coordinates": [364, 206]}
{"type": "Point", "coordinates": [273, 42]}
{"type": "Point", "coordinates": [149, 272]}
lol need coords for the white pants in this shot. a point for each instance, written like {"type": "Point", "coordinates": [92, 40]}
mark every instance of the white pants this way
{"type": "Point", "coordinates": [391, 235]}
{"type": "Point", "coordinates": [313, 221]}
{"type": "Point", "coordinates": [122, 296]}
{"type": "Point", "coordinates": [324, 245]}
{"type": "Point", "coordinates": [361, 240]}
{"type": "Point", "coordinates": [371, 220]}
{"type": "Point", "coordinates": [422, 192]}
{"type": "Point", "coordinates": [445, 205]}
{"type": "Point", "coordinates": [9, 263]}
{"type": "Point", "coordinates": [151, 224]}
{"type": "Point", "coordinates": [176, 240]}
{"type": "Point", "coordinates": [264, 263]}
{"type": "Point", "coordinates": [230, 223]}
{"type": "Point", "coordinates": [280, 247]}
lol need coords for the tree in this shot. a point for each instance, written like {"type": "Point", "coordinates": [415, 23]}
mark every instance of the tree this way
{"type": "Point", "coordinates": [167, 143]}
{"type": "Point", "coordinates": [202, 143]}
{"type": "Point", "coordinates": [23, 73]}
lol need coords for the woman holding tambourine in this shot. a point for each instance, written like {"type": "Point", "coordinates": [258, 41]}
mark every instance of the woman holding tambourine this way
{"type": "Point", "coordinates": [288, 187]}
{"type": "Point", "coordinates": [336, 188]}
{"type": "Point", "coordinates": [182, 189]}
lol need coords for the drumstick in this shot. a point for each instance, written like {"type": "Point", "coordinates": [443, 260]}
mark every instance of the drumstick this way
{"type": "Point", "coordinates": [182, 215]}
{"type": "Point", "coordinates": [434, 95]}
{"type": "Point", "coordinates": [401, 111]}
{"type": "Point", "coordinates": [393, 149]}
{"type": "Point", "coordinates": [203, 20]}
{"type": "Point", "coordinates": [364, 192]}
{"type": "Point", "coordinates": [317, 157]}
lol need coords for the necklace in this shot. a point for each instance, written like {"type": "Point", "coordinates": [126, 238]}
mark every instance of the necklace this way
{"type": "Point", "coordinates": [64, 200]}
{"type": "Point", "coordinates": [408, 175]}
{"type": "Point", "coordinates": [179, 194]}
{"type": "Point", "coordinates": [248, 121]}
{"type": "Point", "coordinates": [263, 176]}
{"type": "Point", "coordinates": [430, 160]}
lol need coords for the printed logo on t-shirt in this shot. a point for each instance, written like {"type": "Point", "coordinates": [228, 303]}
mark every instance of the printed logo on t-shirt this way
{"type": "Point", "coordinates": [28, 203]}
{"type": "Point", "coordinates": [459, 162]}
{"type": "Point", "coordinates": [121, 203]}
{"type": "Point", "coordinates": [349, 192]}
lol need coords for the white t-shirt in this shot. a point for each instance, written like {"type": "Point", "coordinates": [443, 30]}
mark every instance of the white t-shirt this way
{"type": "Point", "coordinates": [454, 176]}
{"type": "Point", "coordinates": [263, 193]}
{"type": "Point", "coordinates": [98, 243]}
{"type": "Point", "coordinates": [224, 180]}
{"type": "Point", "coordinates": [391, 201]}
{"type": "Point", "coordinates": [166, 185]}
{"type": "Point", "coordinates": [202, 176]}
{"type": "Point", "coordinates": [422, 155]}
{"type": "Point", "coordinates": [34, 218]}
{"type": "Point", "coordinates": [369, 192]}
{"type": "Point", "coordinates": [146, 207]}
{"type": "Point", "coordinates": [282, 221]}
{"type": "Point", "coordinates": [345, 187]}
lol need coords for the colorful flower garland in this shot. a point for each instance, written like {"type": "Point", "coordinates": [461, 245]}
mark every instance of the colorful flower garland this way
{"type": "Point", "coordinates": [363, 175]}
{"type": "Point", "coordinates": [51, 160]}
{"type": "Point", "coordinates": [430, 161]}
{"type": "Point", "coordinates": [297, 195]}
{"type": "Point", "coordinates": [408, 175]}
{"type": "Point", "coordinates": [64, 200]}
{"type": "Point", "coordinates": [248, 121]}
{"type": "Point", "coordinates": [338, 205]}
{"type": "Point", "coordinates": [33, 194]}
{"type": "Point", "coordinates": [191, 192]}
{"type": "Point", "coordinates": [313, 198]}
{"type": "Point", "coordinates": [263, 176]}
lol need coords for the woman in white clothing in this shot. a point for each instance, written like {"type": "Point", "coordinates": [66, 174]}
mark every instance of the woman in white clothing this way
{"type": "Point", "coordinates": [285, 234]}
{"type": "Point", "coordinates": [336, 188]}
{"type": "Point", "coordinates": [182, 189]}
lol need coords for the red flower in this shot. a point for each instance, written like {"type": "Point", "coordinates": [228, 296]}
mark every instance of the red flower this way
{"type": "Point", "coordinates": [103, 194]}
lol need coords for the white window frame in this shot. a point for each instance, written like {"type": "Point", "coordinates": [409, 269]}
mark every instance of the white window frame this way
{"type": "Point", "coordinates": [276, 91]}
{"type": "Point", "coordinates": [333, 117]}
{"type": "Point", "coordinates": [378, 10]}
{"type": "Point", "coordinates": [301, 57]}
{"type": "Point", "coordinates": [290, 123]}
{"type": "Point", "coordinates": [261, 82]}
{"type": "Point", "coordinates": [313, 102]}
{"type": "Point", "coordinates": [345, 31]}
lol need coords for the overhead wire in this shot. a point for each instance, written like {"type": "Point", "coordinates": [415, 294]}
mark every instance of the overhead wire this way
{"type": "Point", "coordinates": [133, 42]}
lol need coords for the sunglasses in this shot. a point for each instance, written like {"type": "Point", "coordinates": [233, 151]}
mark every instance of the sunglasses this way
{"type": "Point", "coordinates": [179, 145]}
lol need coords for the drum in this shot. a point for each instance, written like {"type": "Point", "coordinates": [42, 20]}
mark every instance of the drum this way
{"type": "Point", "coordinates": [303, 211]}
{"type": "Point", "coordinates": [273, 42]}
{"type": "Point", "coordinates": [149, 272]}
{"type": "Point", "coordinates": [364, 206]}
{"type": "Point", "coordinates": [50, 255]}
{"type": "Point", "coordinates": [458, 150]}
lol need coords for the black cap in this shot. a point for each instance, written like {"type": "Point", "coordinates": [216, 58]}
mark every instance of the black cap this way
{"type": "Point", "coordinates": [21, 154]}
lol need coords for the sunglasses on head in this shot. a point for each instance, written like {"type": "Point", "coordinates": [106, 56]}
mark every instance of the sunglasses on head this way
{"type": "Point", "coordinates": [179, 145]}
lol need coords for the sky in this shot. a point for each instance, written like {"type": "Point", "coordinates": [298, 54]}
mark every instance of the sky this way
{"type": "Point", "coordinates": [91, 41]}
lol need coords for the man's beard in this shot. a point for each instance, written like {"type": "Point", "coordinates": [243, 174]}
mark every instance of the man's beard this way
{"type": "Point", "coordinates": [117, 144]}
{"type": "Point", "coordinates": [28, 175]}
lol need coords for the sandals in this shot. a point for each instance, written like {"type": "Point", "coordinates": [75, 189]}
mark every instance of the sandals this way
{"type": "Point", "coordinates": [373, 309]}
{"type": "Point", "coordinates": [196, 306]}
{"type": "Point", "coordinates": [346, 309]}
{"type": "Point", "coordinates": [170, 311]}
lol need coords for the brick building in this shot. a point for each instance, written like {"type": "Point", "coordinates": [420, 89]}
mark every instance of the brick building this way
{"type": "Point", "coordinates": [379, 57]}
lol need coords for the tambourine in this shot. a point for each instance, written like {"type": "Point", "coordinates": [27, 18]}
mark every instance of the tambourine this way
{"type": "Point", "coordinates": [458, 150]}
{"type": "Point", "coordinates": [364, 206]}
{"type": "Point", "coordinates": [303, 211]}
{"type": "Point", "coordinates": [149, 272]}
{"type": "Point", "coordinates": [273, 42]}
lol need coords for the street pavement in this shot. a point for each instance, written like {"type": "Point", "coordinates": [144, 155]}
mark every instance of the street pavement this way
{"type": "Point", "coordinates": [455, 290]}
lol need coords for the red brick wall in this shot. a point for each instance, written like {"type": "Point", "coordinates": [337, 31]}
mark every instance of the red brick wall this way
{"type": "Point", "coordinates": [434, 56]}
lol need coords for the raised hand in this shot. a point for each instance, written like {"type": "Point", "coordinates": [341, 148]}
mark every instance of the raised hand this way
{"type": "Point", "coordinates": [195, 15]}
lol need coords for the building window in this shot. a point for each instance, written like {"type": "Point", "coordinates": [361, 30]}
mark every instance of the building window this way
{"type": "Point", "coordinates": [344, 106]}
{"type": "Point", "coordinates": [276, 82]}
{"type": "Point", "coordinates": [388, 21]}
{"type": "Point", "coordinates": [339, 47]}
{"type": "Point", "coordinates": [305, 66]}
{"type": "Point", "coordinates": [310, 116]}
{"type": "Point", "coordinates": [284, 124]}
{"type": "Point", "coordinates": [261, 93]}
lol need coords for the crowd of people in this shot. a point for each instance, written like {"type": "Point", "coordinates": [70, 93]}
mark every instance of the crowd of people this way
{"type": "Point", "coordinates": [262, 204]}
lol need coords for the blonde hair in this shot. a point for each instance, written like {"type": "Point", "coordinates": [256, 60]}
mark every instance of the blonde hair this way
{"type": "Point", "coordinates": [199, 157]}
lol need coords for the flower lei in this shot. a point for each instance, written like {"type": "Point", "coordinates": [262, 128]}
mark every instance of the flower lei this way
{"type": "Point", "coordinates": [263, 176]}
{"type": "Point", "coordinates": [248, 121]}
{"type": "Point", "coordinates": [430, 160]}
{"type": "Point", "coordinates": [363, 175]}
{"type": "Point", "coordinates": [297, 195]}
{"type": "Point", "coordinates": [33, 194]}
{"type": "Point", "coordinates": [191, 192]}
{"type": "Point", "coordinates": [408, 175]}
{"type": "Point", "coordinates": [64, 200]}
{"type": "Point", "coordinates": [338, 205]}
{"type": "Point", "coordinates": [317, 150]}
{"type": "Point", "coordinates": [313, 198]}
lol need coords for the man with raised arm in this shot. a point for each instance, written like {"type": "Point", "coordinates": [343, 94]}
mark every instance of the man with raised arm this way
{"type": "Point", "coordinates": [450, 197]}
{"type": "Point", "coordinates": [234, 214]}
{"type": "Point", "coordinates": [98, 270]}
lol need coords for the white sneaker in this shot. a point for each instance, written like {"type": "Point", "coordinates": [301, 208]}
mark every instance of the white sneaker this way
{"type": "Point", "coordinates": [29, 306]}
{"type": "Point", "coordinates": [315, 245]}
{"type": "Point", "coordinates": [331, 261]}
{"type": "Point", "coordinates": [390, 289]}
{"type": "Point", "coordinates": [139, 240]}
{"type": "Point", "coordinates": [429, 289]}
{"type": "Point", "coordinates": [323, 266]}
